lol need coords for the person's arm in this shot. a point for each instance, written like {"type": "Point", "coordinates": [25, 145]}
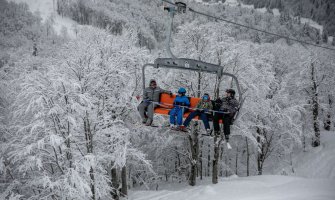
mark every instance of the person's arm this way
{"type": "Point", "coordinates": [165, 91]}
{"type": "Point", "coordinates": [199, 104]}
{"type": "Point", "coordinates": [233, 105]}
{"type": "Point", "coordinates": [218, 103]}
{"type": "Point", "coordinates": [145, 94]}
{"type": "Point", "coordinates": [187, 102]}
{"type": "Point", "coordinates": [174, 102]}
{"type": "Point", "coordinates": [210, 105]}
{"type": "Point", "coordinates": [236, 105]}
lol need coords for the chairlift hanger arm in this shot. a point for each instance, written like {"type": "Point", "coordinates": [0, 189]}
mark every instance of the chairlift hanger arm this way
{"type": "Point", "coordinates": [187, 64]}
{"type": "Point", "coordinates": [192, 65]}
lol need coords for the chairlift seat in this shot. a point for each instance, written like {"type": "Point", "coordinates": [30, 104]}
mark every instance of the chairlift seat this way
{"type": "Point", "coordinates": [166, 104]}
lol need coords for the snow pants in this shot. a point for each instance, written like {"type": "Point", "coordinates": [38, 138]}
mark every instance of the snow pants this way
{"type": "Point", "coordinates": [203, 117]}
{"type": "Point", "coordinates": [176, 112]}
{"type": "Point", "coordinates": [146, 106]}
{"type": "Point", "coordinates": [226, 118]}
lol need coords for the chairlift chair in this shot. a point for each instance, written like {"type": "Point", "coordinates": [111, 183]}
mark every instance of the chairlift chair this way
{"type": "Point", "coordinates": [186, 64]}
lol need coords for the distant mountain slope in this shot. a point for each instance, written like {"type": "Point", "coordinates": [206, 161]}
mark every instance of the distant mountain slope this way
{"type": "Point", "coordinates": [47, 11]}
{"type": "Point", "coordinates": [322, 11]}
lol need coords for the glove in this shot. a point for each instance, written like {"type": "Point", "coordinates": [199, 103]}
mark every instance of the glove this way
{"type": "Point", "coordinates": [205, 110]}
{"type": "Point", "coordinates": [170, 93]}
{"type": "Point", "coordinates": [218, 100]}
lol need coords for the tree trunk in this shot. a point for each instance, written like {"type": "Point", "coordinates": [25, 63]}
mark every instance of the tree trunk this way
{"type": "Point", "coordinates": [115, 184]}
{"type": "Point", "coordinates": [92, 183]}
{"type": "Point", "coordinates": [315, 109]}
{"type": "Point", "coordinates": [124, 189]}
{"type": "Point", "coordinates": [209, 160]}
{"type": "Point", "coordinates": [89, 147]}
{"type": "Point", "coordinates": [248, 155]}
{"type": "Point", "coordinates": [215, 167]}
{"type": "Point", "coordinates": [260, 156]}
{"type": "Point", "coordinates": [221, 158]}
{"type": "Point", "coordinates": [194, 147]}
{"type": "Point", "coordinates": [227, 165]}
{"type": "Point", "coordinates": [260, 164]}
{"type": "Point", "coordinates": [327, 123]}
{"type": "Point", "coordinates": [236, 160]}
{"type": "Point", "coordinates": [200, 159]}
{"type": "Point", "coordinates": [35, 49]}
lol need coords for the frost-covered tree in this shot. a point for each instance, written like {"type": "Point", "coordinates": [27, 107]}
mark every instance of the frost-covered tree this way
{"type": "Point", "coordinates": [68, 130]}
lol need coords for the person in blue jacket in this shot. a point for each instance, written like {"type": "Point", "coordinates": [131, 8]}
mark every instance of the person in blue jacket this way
{"type": "Point", "coordinates": [179, 108]}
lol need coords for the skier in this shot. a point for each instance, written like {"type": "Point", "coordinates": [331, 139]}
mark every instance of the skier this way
{"type": "Point", "coordinates": [151, 94]}
{"type": "Point", "coordinates": [230, 105]}
{"type": "Point", "coordinates": [181, 101]}
{"type": "Point", "coordinates": [203, 106]}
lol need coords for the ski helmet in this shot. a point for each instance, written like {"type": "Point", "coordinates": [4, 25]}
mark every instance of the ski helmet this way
{"type": "Point", "coordinates": [206, 97]}
{"type": "Point", "coordinates": [182, 90]}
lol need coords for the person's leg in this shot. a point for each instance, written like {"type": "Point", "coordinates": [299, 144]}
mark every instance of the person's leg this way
{"type": "Point", "coordinates": [173, 116]}
{"type": "Point", "coordinates": [190, 117]}
{"type": "Point", "coordinates": [226, 125]}
{"type": "Point", "coordinates": [216, 120]}
{"type": "Point", "coordinates": [141, 109]}
{"type": "Point", "coordinates": [180, 114]}
{"type": "Point", "coordinates": [150, 111]}
{"type": "Point", "coordinates": [204, 119]}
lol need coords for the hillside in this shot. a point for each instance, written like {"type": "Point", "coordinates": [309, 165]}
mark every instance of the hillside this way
{"type": "Point", "coordinates": [313, 179]}
{"type": "Point", "coordinates": [70, 126]}
{"type": "Point", "coordinates": [315, 162]}
{"type": "Point", "coordinates": [322, 11]}
{"type": "Point", "coordinates": [250, 188]}
{"type": "Point", "coordinates": [47, 10]}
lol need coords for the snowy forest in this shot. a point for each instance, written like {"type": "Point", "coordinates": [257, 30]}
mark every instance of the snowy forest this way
{"type": "Point", "coordinates": [71, 72]}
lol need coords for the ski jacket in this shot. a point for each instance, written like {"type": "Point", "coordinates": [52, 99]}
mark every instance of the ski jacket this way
{"type": "Point", "coordinates": [205, 105]}
{"type": "Point", "coordinates": [181, 101]}
{"type": "Point", "coordinates": [229, 104]}
{"type": "Point", "coordinates": [152, 94]}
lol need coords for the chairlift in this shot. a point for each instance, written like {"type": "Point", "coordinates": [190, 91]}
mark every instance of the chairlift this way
{"type": "Point", "coordinates": [166, 101]}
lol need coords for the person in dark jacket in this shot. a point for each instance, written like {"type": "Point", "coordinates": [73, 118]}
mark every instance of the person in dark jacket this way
{"type": "Point", "coordinates": [229, 105]}
{"type": "Point", "coordinates": [203, 106]}
{"type": "Point", "coordinates": [181, 101]}
{"type": "Point", "coordinates": [150, 94]}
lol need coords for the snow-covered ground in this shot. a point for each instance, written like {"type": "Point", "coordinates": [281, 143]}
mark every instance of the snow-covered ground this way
{"type": "Point", "coordinates": [231, 2]}
{"type": "Point", "coordinates": [276, 12]}
{"type": "Point", "coordinates": [46, 9]}
{"type": "Point", "coordinates": [249, 188]}
{"type": "Point", "coordinates": [312, 23]}
{"type": "Point", "coordinates": [316, 162]}
{"type": "Point", "coordinates": [314, 179]}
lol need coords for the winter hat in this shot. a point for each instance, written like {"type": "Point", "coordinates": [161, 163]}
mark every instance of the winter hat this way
{"type": "Point", "coordinates": [152, 81]}
{"type": "Point", "coordinates": [231, 91]}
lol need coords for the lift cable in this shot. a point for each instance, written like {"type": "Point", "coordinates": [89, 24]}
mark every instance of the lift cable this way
{"type": "Point", "coordinates": [249, 27]}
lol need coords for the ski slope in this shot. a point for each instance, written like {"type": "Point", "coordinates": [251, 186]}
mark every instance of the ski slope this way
{"type": "Point", "coordinates": [268, 187]}
{"type": "Point", "coordinates": [313, 179]}
{"type": "Point", "coordinates": [316, 162]}
{"type": "Point", "coordinates": [46, 9]}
